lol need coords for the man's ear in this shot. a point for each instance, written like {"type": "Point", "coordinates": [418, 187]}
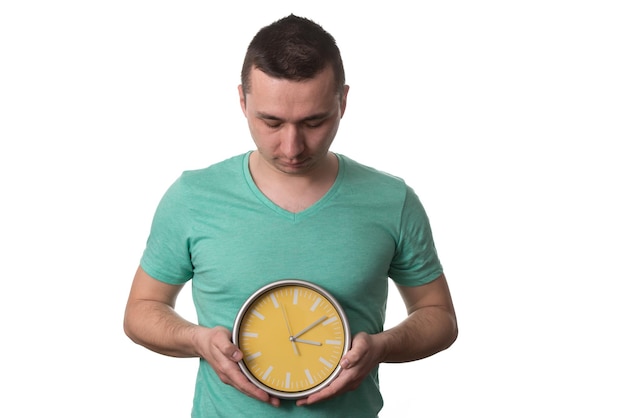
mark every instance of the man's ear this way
{"type": "Point", "coordinates": [344, 99]}
{"type": "Point", "coordinates": [242, 98]}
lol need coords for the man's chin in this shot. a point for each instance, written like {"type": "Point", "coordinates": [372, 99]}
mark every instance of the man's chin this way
{"type": "Point", "coordinates": [301, 167]}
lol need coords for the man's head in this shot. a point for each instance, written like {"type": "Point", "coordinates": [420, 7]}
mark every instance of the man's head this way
{"type": "Point", "coordinates": [293, 48]}
{"type": "Point", "coordinates": [293, 95]}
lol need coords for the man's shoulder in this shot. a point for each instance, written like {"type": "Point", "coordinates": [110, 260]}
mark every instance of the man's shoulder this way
{"type": "Point", "coordinates": [224, 168]}
{"type": "Point", "coordinates": [366, 174]}
{"type": "Point", "coordinates": [217, 178]}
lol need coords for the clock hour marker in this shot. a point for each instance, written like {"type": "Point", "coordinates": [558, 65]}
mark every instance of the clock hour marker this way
{"type": "Point", "coordinates": [287, 380]}
{"type": "Point", "coordinates": [326, 363]}
{"type": "Point", "coordinates": [308, 376]}
{"type": "Point", "coordinates": [295, 297]}
{"type": "Point", "coordinates": [251, 334]}
{"type": "Point", "coordinates": [317, 302]}
{"type": "Point", "coordinates": [258, 314]}
{"type": "Point", "coordinates": [267, 372]}
{"type": "Point", "coordinates": [253, 356]}
{"type": "Point", "coordinates": [334, 342]}
{"type": "Point", "coordinates": [329, 320]}
{"type": "Point", "coordinates": [274, 301]}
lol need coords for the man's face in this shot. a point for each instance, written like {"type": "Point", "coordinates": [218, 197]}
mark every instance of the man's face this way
{"type": "Point", "coordinates": [293, 123]}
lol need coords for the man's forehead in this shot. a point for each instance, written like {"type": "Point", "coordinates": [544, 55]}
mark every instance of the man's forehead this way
{"type": "Point", "coordinates": [257, 75]}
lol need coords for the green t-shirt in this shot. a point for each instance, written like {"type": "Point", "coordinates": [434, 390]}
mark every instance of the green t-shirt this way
{"type": "Point", "coordinates": [215, 227]}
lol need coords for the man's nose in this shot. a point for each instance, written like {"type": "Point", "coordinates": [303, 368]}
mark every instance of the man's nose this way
{"type": "Point", "coordinates": [292, 142]}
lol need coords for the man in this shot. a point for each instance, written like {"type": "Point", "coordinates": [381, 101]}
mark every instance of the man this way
{"type": "Point", "coordinates": [290, 209]}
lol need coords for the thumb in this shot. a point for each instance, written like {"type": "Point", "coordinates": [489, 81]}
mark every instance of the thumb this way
{"type": "Point", "coordinates": [236, 355]}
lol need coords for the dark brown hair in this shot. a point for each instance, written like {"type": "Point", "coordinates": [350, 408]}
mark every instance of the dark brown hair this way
{"type": "Point", "coordinates": [293, 48]}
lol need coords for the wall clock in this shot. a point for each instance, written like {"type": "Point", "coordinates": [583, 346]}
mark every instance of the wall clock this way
{"type": "Point", "coordinates": [293, 334]}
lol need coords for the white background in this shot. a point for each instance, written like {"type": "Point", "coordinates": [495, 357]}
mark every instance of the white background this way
{"type": "Point", "coordinates": [508, 119]}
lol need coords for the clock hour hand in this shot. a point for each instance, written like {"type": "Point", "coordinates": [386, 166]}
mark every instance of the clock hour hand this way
{"type": "Point", "coordinates": [310, 326]}
{"type": "Point", "coordinates": [293, 344]}
{"type": "Point", "coordinates": [300, 340]}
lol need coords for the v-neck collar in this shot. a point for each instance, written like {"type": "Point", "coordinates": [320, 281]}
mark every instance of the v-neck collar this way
{"type": "Point", "coordinates": [294, 216]}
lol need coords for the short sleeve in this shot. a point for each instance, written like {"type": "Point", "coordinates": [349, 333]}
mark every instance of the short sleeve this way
{"type": "Point", "coordinates": [415, 261]}
{"type": "Point", "coordinates": [166, 256]}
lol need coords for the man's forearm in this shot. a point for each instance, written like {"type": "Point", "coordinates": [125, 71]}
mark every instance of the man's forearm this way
{"type": "Point", "coordinates": [424, 332]}
{"type": "Point", "coordinates": [159, 328]}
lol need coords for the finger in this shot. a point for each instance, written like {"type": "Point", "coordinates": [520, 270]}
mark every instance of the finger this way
{"type": "Point", "coordinates": [226, 355]}
{"type": "Point", "coordinates": [323, 394]}
{"type": "Point", "coordinates": [336, 387]}
{"type": "Point", "coordinates": [233, 376]}
{"type": "Point", "coordinates": [226, 347]}
{"type": "Point", "coordinates": [358, 351]}
{"type": "Point", "coordinates": [239, 381]}
{"type": "Point", "coordinates": [235, 355]}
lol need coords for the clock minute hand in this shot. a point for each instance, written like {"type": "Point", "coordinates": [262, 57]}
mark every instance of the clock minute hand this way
{"type": "Point", "coordinates": [295, 349]}
{"type": "Point", "coordinates": [303, 341]}
{"type": "Point", "coordinates": [310, 326]}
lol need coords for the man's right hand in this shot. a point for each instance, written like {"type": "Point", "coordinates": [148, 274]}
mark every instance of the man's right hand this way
{"type": "Point", "coordinates": [215, 346]}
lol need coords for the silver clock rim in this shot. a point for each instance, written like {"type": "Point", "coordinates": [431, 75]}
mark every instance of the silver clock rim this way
{"type": "Point", "coordinates": [265, 289]}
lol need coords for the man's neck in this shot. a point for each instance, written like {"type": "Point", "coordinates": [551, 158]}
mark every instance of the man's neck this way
{"type": "Point", "coordinates": [293, 192]}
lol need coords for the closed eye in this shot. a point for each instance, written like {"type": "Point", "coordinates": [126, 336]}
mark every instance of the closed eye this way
{"type": "Point", "coordinates": [314, 123]}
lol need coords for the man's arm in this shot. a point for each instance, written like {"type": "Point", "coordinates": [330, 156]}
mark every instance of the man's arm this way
{"type": "Point", "coordinates": [151, 321]}
{"type": "Point", "coordinates": [430, 327]}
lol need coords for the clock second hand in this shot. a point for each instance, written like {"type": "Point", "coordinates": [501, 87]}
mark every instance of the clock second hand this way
{"type": "Point", "coordinates": [295, 348]}
{"type": "Point", "coordinates": [323, 318]}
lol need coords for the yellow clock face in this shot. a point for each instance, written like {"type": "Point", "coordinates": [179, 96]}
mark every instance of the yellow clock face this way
{"type": "Point", "coordinates": [292, 334]}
